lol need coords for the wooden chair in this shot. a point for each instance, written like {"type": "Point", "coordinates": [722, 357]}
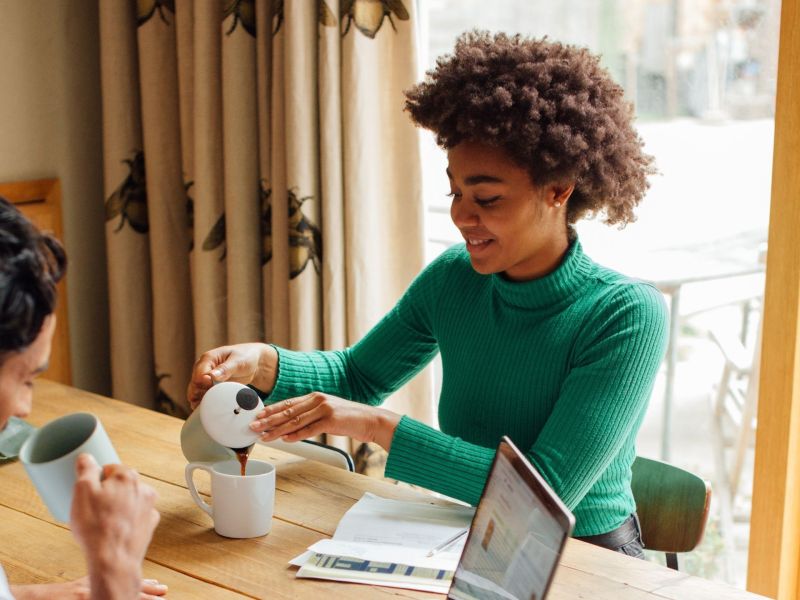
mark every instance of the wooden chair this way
{"type": "Point", "coordinates": [735, 406]}
{"type": "Point", "coordinates": [40, 201]}
{"type": "Point", "coordinates": [672, 505]}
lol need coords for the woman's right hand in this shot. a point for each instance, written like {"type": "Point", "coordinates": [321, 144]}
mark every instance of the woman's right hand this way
{"type": "Point", "coordinates": [255, 364]}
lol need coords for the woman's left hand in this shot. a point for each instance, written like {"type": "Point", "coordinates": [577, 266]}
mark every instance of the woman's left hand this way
{"type": "Point", "coordinates": [303, 417]}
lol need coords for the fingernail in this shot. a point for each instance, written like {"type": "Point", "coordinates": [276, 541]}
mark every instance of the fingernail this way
{"type": "Point", "coordinates": [155, 583]}
{"type": "Point", "coordinates": [87, 458]}
{"type": "Point", "coordinates": [216, 373]}
{"type": "Point", "coordinates": [254, 425]}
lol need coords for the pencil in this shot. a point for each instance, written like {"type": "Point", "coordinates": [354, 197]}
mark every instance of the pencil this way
{"type": "Point", "coordinates": [447, 542]}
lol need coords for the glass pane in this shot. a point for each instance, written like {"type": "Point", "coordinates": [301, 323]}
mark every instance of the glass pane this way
{"type": "Point", "coordinates": [701, 76]}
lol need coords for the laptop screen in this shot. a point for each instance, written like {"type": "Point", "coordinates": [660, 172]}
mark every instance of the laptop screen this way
{"type": "Point", "coordinates": [517, 534]}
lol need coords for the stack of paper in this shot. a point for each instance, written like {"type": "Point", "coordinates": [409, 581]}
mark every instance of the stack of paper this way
{"type": "Point", "coordinates": [387, 542]}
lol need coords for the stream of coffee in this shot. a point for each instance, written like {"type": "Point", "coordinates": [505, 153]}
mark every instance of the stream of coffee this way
{"type": "Point", "coordinates": [243, 454]}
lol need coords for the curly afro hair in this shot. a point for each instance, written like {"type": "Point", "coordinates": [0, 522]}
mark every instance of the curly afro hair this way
{"type": "Point", "coordinates": [552, 108]}
{"type": "Point", "coordinates": [31, 264]}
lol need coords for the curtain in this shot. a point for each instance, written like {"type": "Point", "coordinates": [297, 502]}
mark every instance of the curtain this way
{"type": "Point", "coordinates": [261, 180]}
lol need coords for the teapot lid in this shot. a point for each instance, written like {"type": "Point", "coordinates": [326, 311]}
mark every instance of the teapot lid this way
{"type": "Point", "coordinates": [226, 411]}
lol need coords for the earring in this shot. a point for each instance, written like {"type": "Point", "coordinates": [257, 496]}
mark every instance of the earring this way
{"type": "Point", "coordinates": [557, 204]}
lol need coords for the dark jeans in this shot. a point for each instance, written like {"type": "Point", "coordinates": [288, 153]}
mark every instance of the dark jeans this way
{"type": "Point", "coordinates": [626, 539]}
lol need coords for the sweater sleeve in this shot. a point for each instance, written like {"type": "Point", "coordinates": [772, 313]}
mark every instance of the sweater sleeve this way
{"type": "Point", "coordinates": [390, 354]}
{"type": "Point", "coordinates": [606, 392]}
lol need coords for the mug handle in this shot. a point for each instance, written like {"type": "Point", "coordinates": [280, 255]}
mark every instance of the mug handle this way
{"type": "Point", "coordinates": [189, 471]}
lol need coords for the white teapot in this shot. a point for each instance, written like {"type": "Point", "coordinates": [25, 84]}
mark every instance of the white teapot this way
{"type": "Point", "coordinates": [221, 424]}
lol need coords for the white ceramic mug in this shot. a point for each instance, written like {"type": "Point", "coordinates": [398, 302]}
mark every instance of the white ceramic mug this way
{"type": "Point", "coordinates": [241, 507]}
{"type": "Point", "coordinates": [49, 456]}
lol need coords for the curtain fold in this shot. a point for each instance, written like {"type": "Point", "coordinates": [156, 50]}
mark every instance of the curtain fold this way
{"type": "Point", "coordinates": [209, 288]}
{"type": "Point", "coordinates": [127, 239]}
{"type": "Point", "coordinates": [262, 181]}
{"type": "Point", "coordinates": [173, 331]}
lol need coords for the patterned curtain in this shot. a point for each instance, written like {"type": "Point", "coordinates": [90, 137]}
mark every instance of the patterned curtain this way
{"type": "Point", "coordinates": [262, 181]}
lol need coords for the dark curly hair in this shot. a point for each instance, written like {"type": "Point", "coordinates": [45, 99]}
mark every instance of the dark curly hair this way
{"type": "Point", "coordinates": [551, 107]}
{"type": "Point", "coordinates": [31, 264]}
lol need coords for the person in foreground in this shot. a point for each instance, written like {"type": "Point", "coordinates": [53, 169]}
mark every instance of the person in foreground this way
{"type": "Point", "coordinates": [112, 519]}
{"type": "Point", "coordinates": [537, 341]}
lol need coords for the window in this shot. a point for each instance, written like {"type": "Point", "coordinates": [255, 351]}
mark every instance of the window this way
{"type": "Point", "coordinates": [702, 76]}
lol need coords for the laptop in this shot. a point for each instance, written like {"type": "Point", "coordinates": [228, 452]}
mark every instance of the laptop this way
{"type": "Point", "coordinates": [517, 535]}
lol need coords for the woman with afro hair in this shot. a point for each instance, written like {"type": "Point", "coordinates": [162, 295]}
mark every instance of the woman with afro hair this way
{"type": "Point", "coordinates": [537, 341]}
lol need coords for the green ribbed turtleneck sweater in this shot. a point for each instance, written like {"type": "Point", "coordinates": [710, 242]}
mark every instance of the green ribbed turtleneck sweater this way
{"type": "Point", "coordinates": [563, 365]}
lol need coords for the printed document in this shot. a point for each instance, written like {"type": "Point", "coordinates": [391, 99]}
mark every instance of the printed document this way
{"type": "Point", "coordinates": [386, 542]}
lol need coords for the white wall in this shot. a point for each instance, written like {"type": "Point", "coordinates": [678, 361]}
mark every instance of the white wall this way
{"type": "Point", "coordinates": [51, 126]}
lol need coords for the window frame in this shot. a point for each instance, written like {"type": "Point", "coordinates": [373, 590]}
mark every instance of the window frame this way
{"type": "Point", "coordinates": [774, 552]}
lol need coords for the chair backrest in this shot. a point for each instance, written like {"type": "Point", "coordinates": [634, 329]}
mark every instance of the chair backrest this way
{"type": "Point", "coordinates": [672, 505]}
{"type": "Point", "coordinates": [311, 450]}
{"type": "Point", "coordinates": [40, 201]}
{"type": "Point", "coordinates": [735, 407]}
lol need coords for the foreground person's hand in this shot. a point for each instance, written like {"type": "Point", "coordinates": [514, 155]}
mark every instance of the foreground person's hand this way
{"type": "Point", "coordinates": [299, 418]}
{"type": "Point", "coordinates": [113, 520]}
{"type": "Point", "coordinates": [243, 363]}
{"type": "Point", "coordinates": [79, 590]}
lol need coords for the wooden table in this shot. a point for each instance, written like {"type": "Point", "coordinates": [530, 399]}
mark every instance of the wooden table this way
{"type": "Point", "coordinates": [195, 562]}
